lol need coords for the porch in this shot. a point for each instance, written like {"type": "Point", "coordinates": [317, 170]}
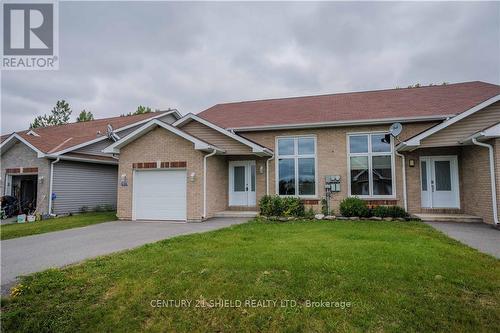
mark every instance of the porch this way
{"type": "Point", "coordinates": [235, 183]}
{"type": "Point", "coordinates": [450, 184]}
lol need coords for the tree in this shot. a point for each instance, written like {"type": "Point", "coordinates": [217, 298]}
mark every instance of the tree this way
{"type": "Point", "coordinates": [59, 116]}
{"type": "Point", "coordinates": [84, 116]}
{"type": "Point", "coordinates": [140, 110]}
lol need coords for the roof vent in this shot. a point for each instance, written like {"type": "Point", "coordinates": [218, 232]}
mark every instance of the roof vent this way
{"type": "Point", "coordinates": [31, 132]}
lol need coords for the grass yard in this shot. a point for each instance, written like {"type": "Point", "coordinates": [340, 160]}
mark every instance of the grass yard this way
{"type": "Point", "coordinates": [9, 231]}
{"type": "Point", "coordinates": [399, 277]}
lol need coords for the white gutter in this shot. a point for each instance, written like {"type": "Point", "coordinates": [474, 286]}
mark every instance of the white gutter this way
{"type": "Point", "coordinates": [205, 182]}
{"type": "Point", "coordinates": [267, 173]}
{"type": "Point", "coordinates": [403, 162]}
{"type": "Point", "coordinates": [341, 123]}
{"type": "Point", "coordinates": [492, 177]}
{"type": "Point", "coordinates": [51, 183]}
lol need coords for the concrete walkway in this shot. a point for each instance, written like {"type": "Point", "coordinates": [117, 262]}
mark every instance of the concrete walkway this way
{"type": "Point", "coordinates": [479, 236]}
{"type": "Point", "coordinates": [25, 255]}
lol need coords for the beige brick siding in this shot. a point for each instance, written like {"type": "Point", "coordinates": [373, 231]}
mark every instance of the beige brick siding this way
{"type": "Point", "coordinates": [476, 182]}
{"type": "Point", "coordinates": [161, 145]}
{"type": "Point", "coordinates": [21, 156]}
{"type": "Point", "coordinates": [217, 184]}
{"type": "Point", "coordinates": [332, 154]}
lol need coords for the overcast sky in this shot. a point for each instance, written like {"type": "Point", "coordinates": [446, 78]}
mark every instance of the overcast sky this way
{"type": "Point", "coordinates": [190, 56]}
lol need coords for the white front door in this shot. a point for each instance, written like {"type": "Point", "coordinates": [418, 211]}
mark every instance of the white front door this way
{"type": "Point", "coordinates": [242, 183]}
{"type": "Point", "coordinates": [439, 182]}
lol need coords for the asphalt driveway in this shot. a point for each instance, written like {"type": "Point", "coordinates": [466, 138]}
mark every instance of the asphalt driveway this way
{"type": "Point", "coordinates": [25, 255]}
{"type": "Point", "coordinates": [479, 236]}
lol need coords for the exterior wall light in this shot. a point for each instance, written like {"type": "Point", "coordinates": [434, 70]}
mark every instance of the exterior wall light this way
{"type": "Point", "coordinates": [191, 176]}
{"type": "Point", "coordinates": [123, 180]}
{"type": "Point", "coordinates": [411, 162]}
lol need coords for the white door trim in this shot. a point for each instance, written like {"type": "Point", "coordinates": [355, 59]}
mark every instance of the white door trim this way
{"type": "Point", "coordinates": [430, 193]}
{"type": "Point", "coordinates": [249, 197]}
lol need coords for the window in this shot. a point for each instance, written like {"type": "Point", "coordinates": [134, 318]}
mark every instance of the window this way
{"type": "Point", "coordinates": [371, 169]}
{"type": "Point", "coordinates": [296, 166]}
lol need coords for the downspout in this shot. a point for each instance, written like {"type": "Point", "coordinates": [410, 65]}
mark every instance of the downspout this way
{"type": "Point", "coordinates": [403, 162]}
{"type": "Point", "coordinates": [205, 182]}
{"type": "Point", "coordinates": [267, 173]}
{"type": "Point", "coordinates": [492, 176]}
{"type": "Point", "coordinates": [51, 182]}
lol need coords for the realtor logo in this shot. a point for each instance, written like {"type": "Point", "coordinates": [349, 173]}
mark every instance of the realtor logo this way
{"type": "Point", "coordinates": [30, 36]}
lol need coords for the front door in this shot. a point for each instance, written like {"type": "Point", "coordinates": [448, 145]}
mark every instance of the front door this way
{"type": "Point", "coordinates": [242, 183]}
{"type": "Point", "coordinates": [439, 182]}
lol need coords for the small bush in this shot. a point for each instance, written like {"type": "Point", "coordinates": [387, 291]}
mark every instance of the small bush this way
{"type": "Point", "coordinates": [84, 209]}
{"type": "Point", "coordinates": [354, 207]}
{"type": "Point", "coordinates": [310, 213]}
{"type": "Point", "coordinates": [281, 206]}
{"type": "Point", "coordinates": [98, 208]}
{"type": "Point", "coordinates": [108, 208]}
{"type": "Point", "coordinates": [389, 211]}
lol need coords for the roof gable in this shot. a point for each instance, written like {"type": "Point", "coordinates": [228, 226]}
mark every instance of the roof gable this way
{"type": "Point", "coordinates": [220, 136]}
{"type": "Point", "coordinates": [149, 126]}
{"type": "Point", "coordinates": [491, 116]}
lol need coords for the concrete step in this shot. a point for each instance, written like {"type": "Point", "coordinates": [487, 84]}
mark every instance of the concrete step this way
{"type": "Point", "coordinates": [237, 213]}
{"type": "Point", "coordinates": [459, 218]}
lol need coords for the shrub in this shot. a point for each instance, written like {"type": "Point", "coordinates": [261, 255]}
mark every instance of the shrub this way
{"type": "Point", "coordinates": [354, 207]}
{"type": "Point", "coordinates": [108, 208]}
{"type": "Point", "coordinates": [389, 211]}
{"type": "Point", "coordinates": [309, 214]}
{"type": "Point", "coordinates": [281, 206]}
{"type": "Point", "coordinates": [84, 209]}
{"type": "Point", "coordinates": [98, 208]}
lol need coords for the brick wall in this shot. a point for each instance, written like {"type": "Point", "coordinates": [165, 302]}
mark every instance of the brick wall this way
{"type": "Point", "coordinates": [161, 145]}
{"type": "Point", "coordinates": [332, 155]}
{"type": "Point", "coordinates": [21, 156]}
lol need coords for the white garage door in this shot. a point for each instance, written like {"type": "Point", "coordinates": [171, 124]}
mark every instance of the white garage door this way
{"type": "Point", "coordinates": [159, 195]}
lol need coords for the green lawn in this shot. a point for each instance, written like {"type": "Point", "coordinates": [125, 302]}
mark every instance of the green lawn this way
{"type": "Point", "coordinates": [399, 277]}
{"type": "Point", "coordinates": [40, 227]}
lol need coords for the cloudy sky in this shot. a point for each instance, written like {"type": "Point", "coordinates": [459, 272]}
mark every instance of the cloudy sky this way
{"type": "Point", "coordinates": [189, 56]}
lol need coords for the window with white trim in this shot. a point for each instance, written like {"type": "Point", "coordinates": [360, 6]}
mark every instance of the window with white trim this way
{"type": "Point", "coordinates": [296, 166]}
{"type": "Point", "coordinates": [371, 170]}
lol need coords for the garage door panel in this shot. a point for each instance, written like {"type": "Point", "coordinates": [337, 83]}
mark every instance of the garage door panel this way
{"type": "Point", "coordinates": [160, 195]}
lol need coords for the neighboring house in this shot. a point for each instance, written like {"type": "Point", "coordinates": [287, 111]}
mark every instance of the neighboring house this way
{"type": "Point", "coordinates": [229, 156]}
{"type": "Point", "coordinates": [68, 161]}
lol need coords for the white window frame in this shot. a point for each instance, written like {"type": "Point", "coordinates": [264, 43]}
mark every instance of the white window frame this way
{"type": "Point", "coordinates": [370, 154]}
{"type": "Point", "coordinates": [296, 157]}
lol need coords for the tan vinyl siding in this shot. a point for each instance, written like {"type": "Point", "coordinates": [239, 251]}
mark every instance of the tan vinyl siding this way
{"type": "Point", "coordinates": [465, 127]}
{"type": "Point", "coordinates": [218, 139]}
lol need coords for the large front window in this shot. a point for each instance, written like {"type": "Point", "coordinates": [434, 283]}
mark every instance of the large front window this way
{"type": "Point", "coordinates": [370, 165]}
{"type": "Point", "coordinates": [297, 166]}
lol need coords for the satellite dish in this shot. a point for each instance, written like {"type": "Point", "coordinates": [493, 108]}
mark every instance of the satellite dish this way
{"type": "Point", "coordinates": [111, 134]}
{"type": "Point", "coordinates": [395, 129]}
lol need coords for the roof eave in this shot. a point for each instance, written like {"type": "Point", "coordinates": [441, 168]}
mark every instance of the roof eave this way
{"type": "Point", "coordinates": [341, 123]}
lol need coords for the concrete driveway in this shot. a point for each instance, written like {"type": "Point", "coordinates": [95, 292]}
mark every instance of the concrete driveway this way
{"type": "Point", "coordinates": [25, 255]}
{"type": "Point", "coordinates": [479, 236]}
